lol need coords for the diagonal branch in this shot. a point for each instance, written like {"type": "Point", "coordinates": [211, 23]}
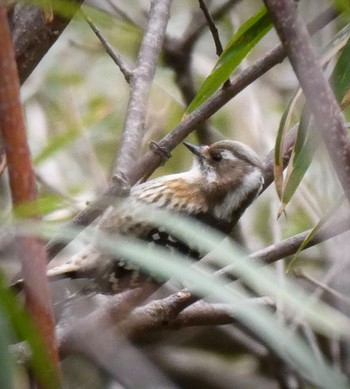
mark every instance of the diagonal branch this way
{"type": "Point", "coordinates": [291, 245]}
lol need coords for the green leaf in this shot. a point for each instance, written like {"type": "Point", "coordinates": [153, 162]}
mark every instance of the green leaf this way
{"type": "Point", "coordinates": [342, 6]}
{"type": "Point", "coordinates": [300, 160]}
{"type": "Point", "coordinates": [340, 78]}
{"type": "Point", "coordinates": [42, 206]}
{"type": "Point", "coordinates": [278, 154]}
{"type": "Point", "coordinates": [25, 329]}
{"type": "Point", "coordinates": [247, 36]}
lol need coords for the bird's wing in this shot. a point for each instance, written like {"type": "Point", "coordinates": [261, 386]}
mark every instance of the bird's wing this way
{"type": "Point", "coordinates": [173, 192]}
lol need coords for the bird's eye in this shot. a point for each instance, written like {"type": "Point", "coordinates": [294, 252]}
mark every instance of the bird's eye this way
{"type": "Point", "coordinates": [216, 157]}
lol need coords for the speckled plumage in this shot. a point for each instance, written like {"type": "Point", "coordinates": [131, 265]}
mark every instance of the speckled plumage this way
{"type": "Point", "coordinates": [223, 180]}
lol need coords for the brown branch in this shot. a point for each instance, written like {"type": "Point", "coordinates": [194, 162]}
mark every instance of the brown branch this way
{"type": "Point", "coordinates": [159, 314]}
{"type": "Point", "coordinates": [319, 95]}
{"type": "Point", "coordinates": [151, 160]}
{"type": "Point", "coordinates": [203, 313]}
{"type": "Point", "coordinates": [30, 250]}
{"type": "Point", "coordinates": [156, 314]}
{"type": "Point", "coordinates": [32, 37]}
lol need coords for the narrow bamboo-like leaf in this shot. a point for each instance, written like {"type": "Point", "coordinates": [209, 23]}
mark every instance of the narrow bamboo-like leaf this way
{"type": "Point", "coordinates": [299, 162]}
{"type": "Point", "coordinates": [316, 229]}
{"type": "Point", "coordinates": [247, 36]}
{"type": "Point", "coordinates": [282, 129]}
{"type": "Point", "coordinates": [21, 323]}
{"type": "Point", "coordinates": [340, 78]}
{"type": "Point", "coordinates": [302, 163]}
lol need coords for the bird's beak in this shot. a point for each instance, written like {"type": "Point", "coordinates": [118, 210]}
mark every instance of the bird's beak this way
{"type": "Point", "coordinates": [196, 150]}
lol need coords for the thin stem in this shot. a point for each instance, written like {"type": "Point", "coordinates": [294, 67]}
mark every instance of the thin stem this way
{"type": "Point", "coordinates": [117, 59]}
{"type": "Point", "coordinates": [214, 31]}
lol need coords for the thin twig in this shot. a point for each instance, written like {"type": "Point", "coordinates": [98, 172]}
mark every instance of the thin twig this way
{"type": "Point", "coordinates": [197, 25]}
{"type": "Point", "coordinates": [118, 60]}
{"type": "Point", "coordinates": [214, 31]}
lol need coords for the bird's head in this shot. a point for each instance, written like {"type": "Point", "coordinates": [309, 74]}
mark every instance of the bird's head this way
{"type": "Point", "coordinates": [227, 169]}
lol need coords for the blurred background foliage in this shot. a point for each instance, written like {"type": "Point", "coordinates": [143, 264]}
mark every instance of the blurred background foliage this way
{"type": "Point", "coordinates": [75, 103]}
